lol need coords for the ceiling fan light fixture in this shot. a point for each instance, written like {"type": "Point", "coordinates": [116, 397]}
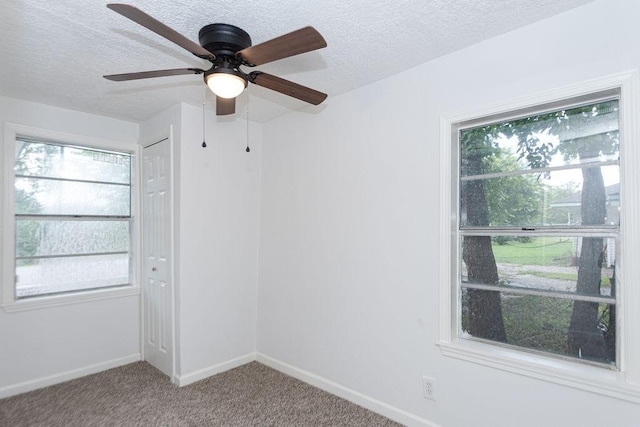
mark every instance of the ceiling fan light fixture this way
{"type": "Point", "coordinates": [228, 48]}
{"type": "Point", "coordinates": [226, 84]}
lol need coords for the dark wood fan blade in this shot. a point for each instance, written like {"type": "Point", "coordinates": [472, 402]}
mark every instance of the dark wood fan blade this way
{"type": "Point", "coordinates": [287, 87]}
{"type": "Point", "coordinates": [300, 41]}
{"type": "Point", "coordinates": [225, 106]}
{"type": "Point", "coordinates": [139, 17]}
{"type": "Point", "coordinates": [152, 74]}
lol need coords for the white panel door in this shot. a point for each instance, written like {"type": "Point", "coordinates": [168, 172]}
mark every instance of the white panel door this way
{"type": "Point", "coordinates": [157, 274]}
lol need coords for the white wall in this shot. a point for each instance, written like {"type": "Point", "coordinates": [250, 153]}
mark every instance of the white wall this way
{"type": "Point", "coordinates": [349, 237]}
{"type": "Point", "coordinates": [47, 345]}
{"type": "Point", "coordinates": [217, 230]}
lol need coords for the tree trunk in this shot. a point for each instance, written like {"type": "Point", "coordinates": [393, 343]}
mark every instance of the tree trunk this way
{"type": "Point", "coordinates": [485, 307]}
{"type": "Point", "coordinates": [585, 339]}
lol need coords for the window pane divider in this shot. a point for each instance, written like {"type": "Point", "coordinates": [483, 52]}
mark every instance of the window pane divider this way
{"type": "Point", "coordinates": [45, 217]}
{"type": "Point", "coordinates": [74, 291]}
{"type": "Point", "coordinates": [543, 293]}
{"type": "Point", "coordinates": [540, 170]}
{"type": "Point", "coordinates": [72, 255]}
{"type": "Point", "coordinates": [543, 230]}
{"type": "Point", "coordinates": [84, 181]}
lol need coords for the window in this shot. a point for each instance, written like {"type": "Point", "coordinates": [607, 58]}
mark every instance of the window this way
{"type": "Point", "coordinates": [71, 219]}
{"type": "Point", "coordinates": [538, 226]}
{"type": "Point", "coordinates": [539, 238]}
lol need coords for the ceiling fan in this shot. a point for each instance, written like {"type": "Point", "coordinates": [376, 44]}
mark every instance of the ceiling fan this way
{"type": "Point", "coordinates": [228, 48]}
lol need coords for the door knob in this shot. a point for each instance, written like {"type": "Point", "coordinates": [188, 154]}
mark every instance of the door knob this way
{"type": "Point", "coordinates": [154, 269]}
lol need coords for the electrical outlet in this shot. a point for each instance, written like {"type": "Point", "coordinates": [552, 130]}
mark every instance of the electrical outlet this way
{"type": "Point", "coordinates": [429, 388]}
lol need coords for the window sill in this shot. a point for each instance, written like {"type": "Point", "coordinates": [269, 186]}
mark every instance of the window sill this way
{"type": "Point", "coordinates": [584, 377]}
{"type": "Point", "coordinates": [36, 303]}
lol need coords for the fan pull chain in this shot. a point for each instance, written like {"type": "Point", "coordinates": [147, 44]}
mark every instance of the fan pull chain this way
{"type": "Point", "coordinates": [204, 144]}
{"type": "Point", "coordinates": [248, 149]}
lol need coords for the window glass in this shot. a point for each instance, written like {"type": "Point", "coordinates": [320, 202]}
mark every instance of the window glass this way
{"type": "Point", "coordinates": [548, 263]}
{"type": "Point", "coordinates": [539, 209]}
{"type": "Point", "coordinates": [73, 197]}
{"type": "Point", "coordinates": [72, 163]}
{"type": "Point", "coordinates": [49, 237]}
{"type": "Point", "coordinates": [540, 323]}
{"type": "Point", "coordinates": [72, 218]}
{"type": "Point", "coordinates": [68, 274]}
{"type": "Point", "coordinates": [535, 199]}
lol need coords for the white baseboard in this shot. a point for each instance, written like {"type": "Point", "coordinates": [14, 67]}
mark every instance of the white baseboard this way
{"type": "Point", "coordinates": [356, 397]}
{"type": "Point", "coordinates": [37, 383]}
{"type": "Point", "coordinates": [182, 380]}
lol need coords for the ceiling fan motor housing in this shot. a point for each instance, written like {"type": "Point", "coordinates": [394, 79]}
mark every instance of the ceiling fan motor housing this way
{"type": "Point", "coordinates": [223, 39]}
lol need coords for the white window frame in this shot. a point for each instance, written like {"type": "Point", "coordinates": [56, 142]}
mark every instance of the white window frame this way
{"type": "Point", "coordinates": [623, 383]}
{"type": "Point", "coordinates": [8, 301]}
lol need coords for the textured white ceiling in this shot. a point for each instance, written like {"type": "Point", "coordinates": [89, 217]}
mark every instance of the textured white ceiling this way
{"type": "Point", "coordinates": [55, 52]}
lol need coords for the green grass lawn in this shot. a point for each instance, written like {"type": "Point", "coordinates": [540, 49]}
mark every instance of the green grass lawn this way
{"type": "Point", "coordinates": [537, 323]}
{"type": "Point", "coordinates": [538, 251]}
{"type": "Point", "coordinates": [533, 322]}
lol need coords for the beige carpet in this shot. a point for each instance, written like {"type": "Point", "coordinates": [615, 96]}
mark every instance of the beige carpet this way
{"type": "Point", "coordinates": [139, 395]}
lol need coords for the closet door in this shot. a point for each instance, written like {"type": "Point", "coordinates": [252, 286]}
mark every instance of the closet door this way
{"type": "Point", "coordinates": [158, 292]}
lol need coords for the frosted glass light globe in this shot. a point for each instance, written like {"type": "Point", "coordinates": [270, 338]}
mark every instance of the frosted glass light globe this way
{"type": "Point", "coordinates": [226, 85]}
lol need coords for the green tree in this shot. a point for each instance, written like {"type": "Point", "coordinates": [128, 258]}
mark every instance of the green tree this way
{"type": "Point", "coordinates": [511, 199]}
